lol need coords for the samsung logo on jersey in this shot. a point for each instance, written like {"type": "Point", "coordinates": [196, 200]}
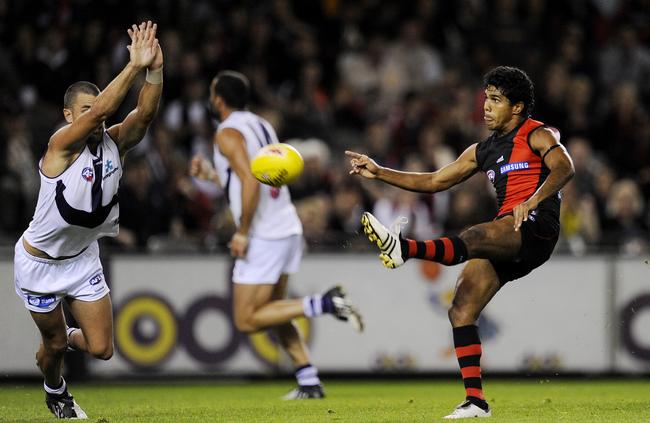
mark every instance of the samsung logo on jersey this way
{"type": "Point", "coordinates": [513, 166]}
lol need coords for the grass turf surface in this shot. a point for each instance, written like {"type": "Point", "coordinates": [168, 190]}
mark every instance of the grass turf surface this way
{"type": "Point", "coordinates": [347, 401]}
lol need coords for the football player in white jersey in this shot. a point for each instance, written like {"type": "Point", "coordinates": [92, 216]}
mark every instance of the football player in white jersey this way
{"type": "Point", "coordinates": [268, 241]}
{"type": "Point", "coordinates": [57, 257]}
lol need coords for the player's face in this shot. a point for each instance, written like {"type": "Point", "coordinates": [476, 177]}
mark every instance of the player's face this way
{"type": "Point", "coordinates": [497, 110]}
{"type": "Point", "coordinates": [82, 103]}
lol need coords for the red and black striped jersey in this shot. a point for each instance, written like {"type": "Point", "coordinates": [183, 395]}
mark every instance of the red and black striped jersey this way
{"type": "Point", "coordinates": [515, 169]}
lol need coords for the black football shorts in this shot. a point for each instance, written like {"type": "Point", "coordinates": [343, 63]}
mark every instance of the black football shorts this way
{"type": "Point", "coordinates": [539, 235]}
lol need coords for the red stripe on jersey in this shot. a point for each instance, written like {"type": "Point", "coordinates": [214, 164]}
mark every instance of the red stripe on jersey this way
{"type": "Point", "coordinates": [522, 183]}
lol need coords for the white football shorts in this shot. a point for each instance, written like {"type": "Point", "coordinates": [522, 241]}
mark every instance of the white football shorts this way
{"type": "Point", "coordinates": [267, 259]}
{"type": "Point", "coordinates": [42, 283]}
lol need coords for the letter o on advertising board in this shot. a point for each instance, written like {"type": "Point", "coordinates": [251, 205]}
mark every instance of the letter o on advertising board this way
{"type": "Point", "coordinates": [134, 344]}
{"type": "Point", "coordinates": [629, 313]}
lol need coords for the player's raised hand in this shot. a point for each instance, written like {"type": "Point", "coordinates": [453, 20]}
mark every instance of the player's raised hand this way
{"type": "Point", "coordinates": [144, 45]}
{"type": "Point", "coordinates": [362, 165]}
{"type": "Point", "coordinates": [158, 58]}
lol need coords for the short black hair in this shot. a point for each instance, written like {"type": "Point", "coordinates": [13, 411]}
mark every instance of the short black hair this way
{"type": "Point", "coordinates": [514, 84]}
{"type": "Point", "coordinates": [233, 87]}
{"type": "Point", "coordinates": [77, 88]}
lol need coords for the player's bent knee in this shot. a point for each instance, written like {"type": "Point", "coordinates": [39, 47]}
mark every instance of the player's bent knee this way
{"type": "Point", "coordinates": [473, 237]}
{"type": "Point", "coordinates": [56, 346]}
{"type": "Point", "coordinates": [461, 316]}
{"type": "Point", "coordinates": [102, 351]}
{"type": "Point", "coordinates": [245, 325]}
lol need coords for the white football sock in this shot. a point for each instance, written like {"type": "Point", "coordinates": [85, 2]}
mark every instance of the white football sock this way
{"type": "Point", "coordinates": [57, 391]}
{"type": "Point", "coordinates": [312, 305]}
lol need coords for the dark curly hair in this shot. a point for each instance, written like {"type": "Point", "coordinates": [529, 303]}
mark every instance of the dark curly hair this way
{"type": "Point", "coordinates": [514, 84]}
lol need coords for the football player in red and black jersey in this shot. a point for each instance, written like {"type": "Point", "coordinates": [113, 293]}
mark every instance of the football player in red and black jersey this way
{"type": "Point", "coordinates": [527, 165]}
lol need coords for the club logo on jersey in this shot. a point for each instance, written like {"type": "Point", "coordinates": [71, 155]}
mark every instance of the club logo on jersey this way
{"type": "Point", "coordinates": [41, 302]}
{"type": "Point", "coordinates": [500, 159]}
{"type": "Point", "coordinates": [87, 173]}
{"type": "Point", "coordinates": [513, 166]}
{"type": "Point", "coordinates": [491, 175]}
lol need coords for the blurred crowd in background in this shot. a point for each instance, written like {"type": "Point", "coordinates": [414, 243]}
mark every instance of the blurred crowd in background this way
{"type": "Point", "coordinates": [400, 81]}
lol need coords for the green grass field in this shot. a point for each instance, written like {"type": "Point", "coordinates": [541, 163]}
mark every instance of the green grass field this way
{"type": "Point", "coordinates": [348, 401]}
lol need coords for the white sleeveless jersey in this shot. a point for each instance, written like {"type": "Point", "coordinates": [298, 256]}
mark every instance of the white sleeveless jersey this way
{"type": "Point", "coordinates": [80, 205]}
{"type": "Point", "coordinates": [276, 215]}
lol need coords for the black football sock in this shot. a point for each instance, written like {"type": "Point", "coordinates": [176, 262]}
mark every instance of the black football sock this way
{"type": "Point", "coordinates": [468, 351]}
{"type": "Point", "coordinates": [448, 250]}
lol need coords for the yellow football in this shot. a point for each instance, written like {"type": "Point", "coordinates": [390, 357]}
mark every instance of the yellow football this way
{"type": "Point", "coordinates": [277, 164]}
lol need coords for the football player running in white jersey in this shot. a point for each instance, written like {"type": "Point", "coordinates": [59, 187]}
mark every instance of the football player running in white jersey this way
{"type": "Point", "coordinates": [57, 257]}
{"type": "Point", "coordinates": [268, 241]}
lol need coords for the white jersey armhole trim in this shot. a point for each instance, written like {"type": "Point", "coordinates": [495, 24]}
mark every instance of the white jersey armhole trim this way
{"type": "Point", "coordinates": [227, 126]}
{"type": "Point", "coordinates": [119, 153]}
{"type": "Point", "coordinates": [51, 179]}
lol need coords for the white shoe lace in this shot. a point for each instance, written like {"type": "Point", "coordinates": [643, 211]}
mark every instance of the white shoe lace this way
{"type": "Point", "coordinates": [398, 224]}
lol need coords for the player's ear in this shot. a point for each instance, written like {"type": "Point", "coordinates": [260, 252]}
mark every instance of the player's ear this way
{"type": "Point", "coordinates": [518, 108]}
{"type": "Point", "coordinates": [67, 114]}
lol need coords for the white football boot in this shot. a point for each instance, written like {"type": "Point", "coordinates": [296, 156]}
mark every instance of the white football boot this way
{"type": "Point", "coordinates": [387, 240]}
{"type": "Point", "coordinates": [305, 392]}
{"type": "Point", "coordinates": [468, 410]}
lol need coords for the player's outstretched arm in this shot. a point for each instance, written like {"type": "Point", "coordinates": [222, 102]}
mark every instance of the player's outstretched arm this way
{"type": "Point", "coordinates": [546, 141]}
{"type": "Point", "coordinates": [201, 168]}
{"type": "Point", "coordinates": [131, 131]}
{"type": "Point", "coordinates": [71, 138]}
{"type": "Point", "coordinates": [232, 145]}
{"type": "Point", "coordinates": [440, 180]}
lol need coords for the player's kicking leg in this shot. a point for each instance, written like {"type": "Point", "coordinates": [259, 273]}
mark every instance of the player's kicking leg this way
{"type": "Point", "coordinates": [492, 240]}
{"type": "Point", "coordinates": [395, 250]}
{"type": "Point", "coordinates": [50, 360]}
